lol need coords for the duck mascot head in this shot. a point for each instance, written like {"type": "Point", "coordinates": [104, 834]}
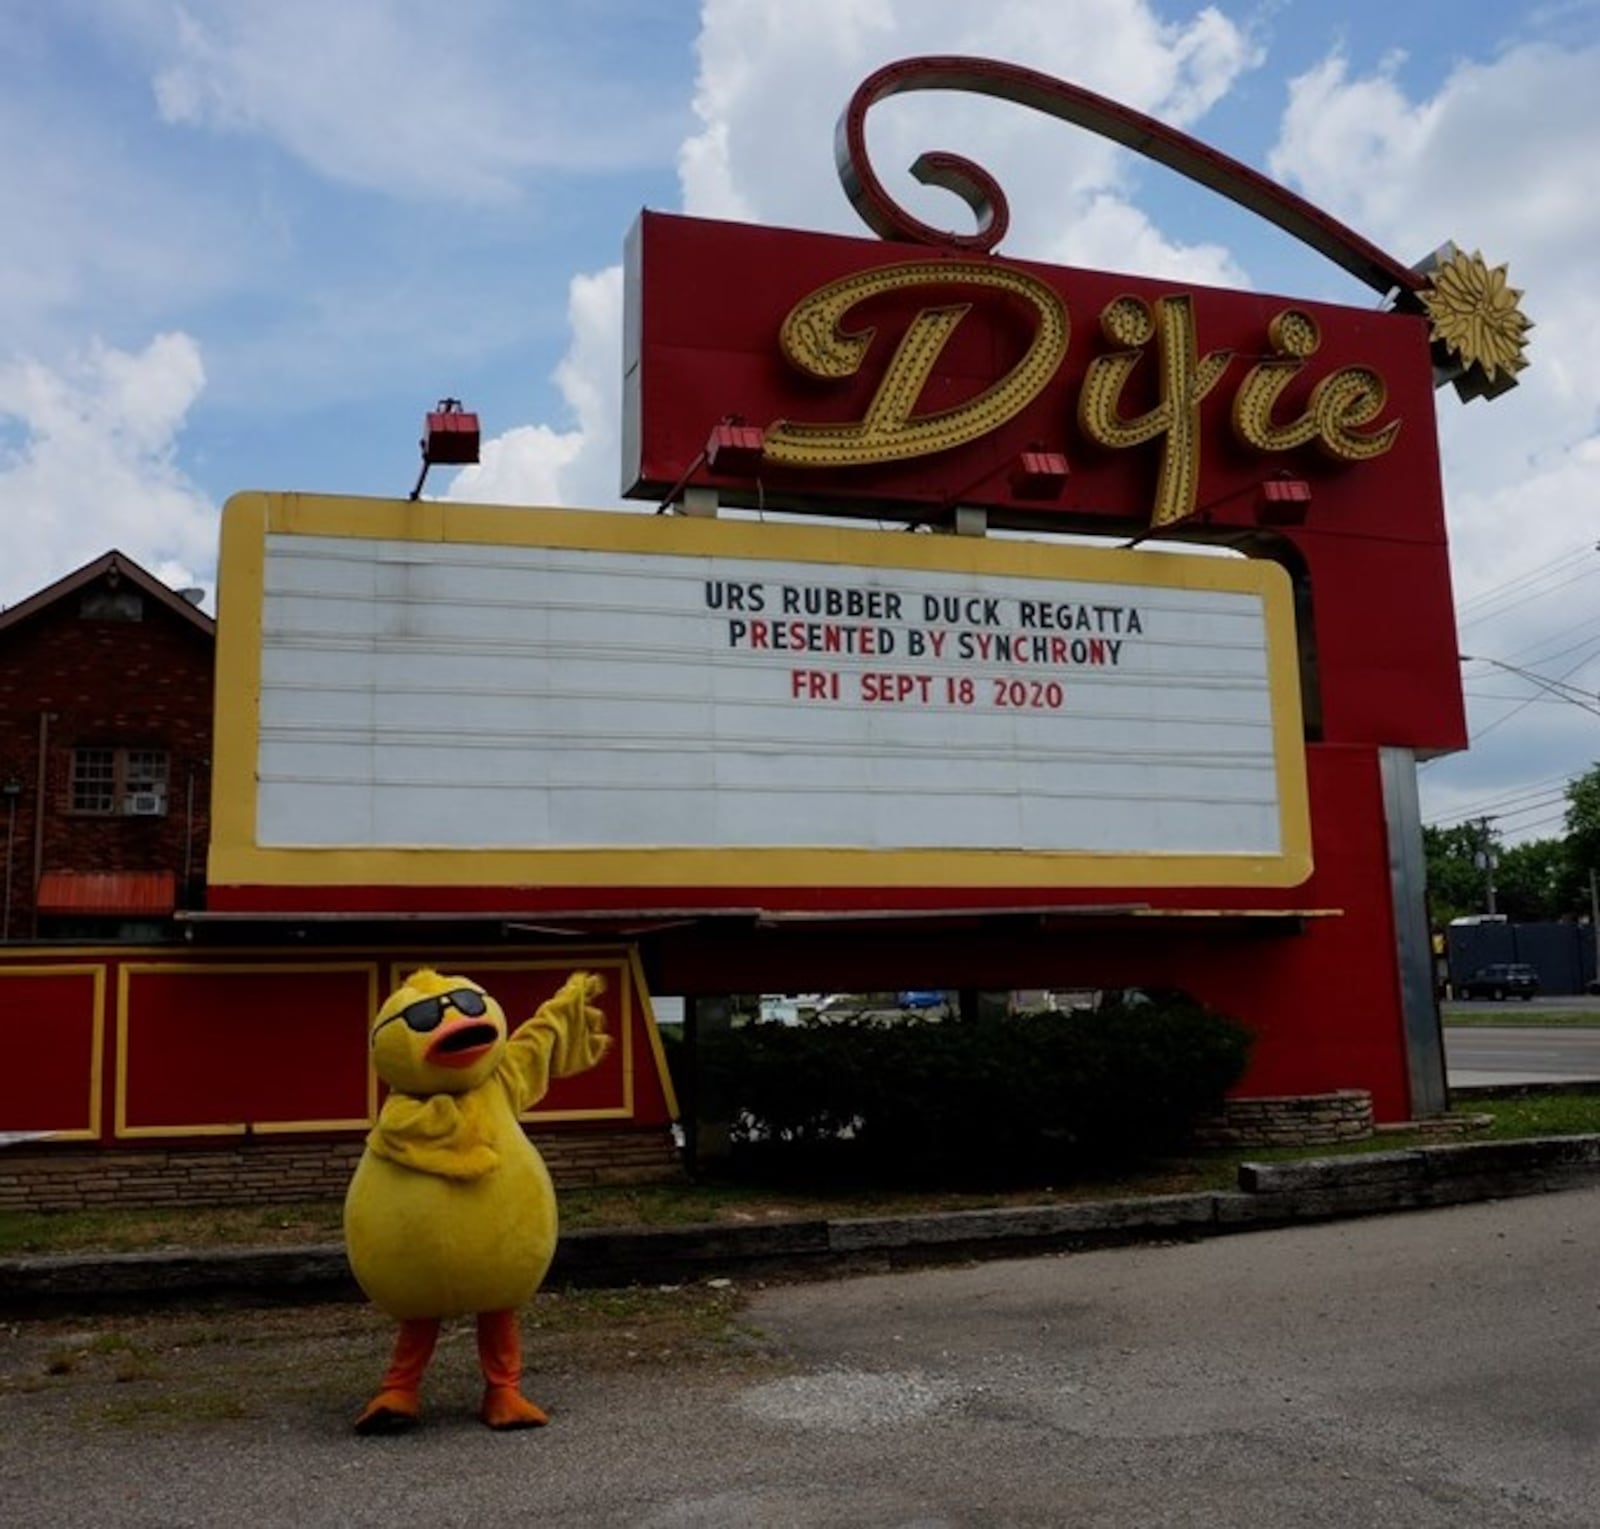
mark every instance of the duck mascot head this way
{"type": "Point", "coordinates": [451, 1210]}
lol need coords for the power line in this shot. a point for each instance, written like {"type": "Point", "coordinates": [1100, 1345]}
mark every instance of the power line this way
{"type": "Point", "coordinates": [1509, 810]}
{"type": "Point", "coordinates": [1532, 700]}
{"type": "Point", "coordinates": [1561, 560]}
{"type": "Point", "coordinates": [1533, 649]}
{"type": "Point", "coordinates": [1545, 682]}
{"type": "Point", "coordinates": [1497, 591]}
{"type": "Point", "coordinates": [1534, 593]}
{"type": "Point", "coordinates": [1559, 817]}
{"type": "Point", "coordinates": [1507, 799]}
{"type": "Point", "coordinates": [1542, 804]}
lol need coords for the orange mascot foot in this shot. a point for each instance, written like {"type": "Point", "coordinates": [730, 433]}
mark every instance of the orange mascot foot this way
{"type": "Point", "coordinates": [390, 1412]}
{"type": "Point", "coordinates": [500, 1355]}
{"type": "Point", "coordinates": [507, 1407]}
{"type": "Point", "coordinates": [398, 1405]}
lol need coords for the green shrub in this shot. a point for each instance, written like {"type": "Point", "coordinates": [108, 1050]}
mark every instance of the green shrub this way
{"type": "Point", "coordinates": [1035, 1097]}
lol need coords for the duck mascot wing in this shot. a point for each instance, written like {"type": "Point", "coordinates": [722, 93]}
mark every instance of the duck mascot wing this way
{"type": "Point", "coordinates": [451, 1211]}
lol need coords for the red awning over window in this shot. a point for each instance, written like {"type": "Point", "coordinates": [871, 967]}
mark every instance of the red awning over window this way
{"type": "Point", "coordinates": [111, 894]}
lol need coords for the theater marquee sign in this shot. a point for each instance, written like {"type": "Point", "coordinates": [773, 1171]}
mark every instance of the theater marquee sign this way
{"type": "Point", "coordinates": [589, 700]}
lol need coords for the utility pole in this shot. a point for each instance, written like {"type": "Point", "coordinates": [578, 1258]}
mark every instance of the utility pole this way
{"type": "Point", "coordinates": [1486, 860]}
{"type": "Point", "coordinates": [1594, 916]}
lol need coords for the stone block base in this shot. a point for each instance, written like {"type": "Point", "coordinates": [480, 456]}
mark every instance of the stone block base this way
{"type": "Point", "coordinates": [259, 1172]}
{"type": "Point", "coordinates": [1291, 1120]}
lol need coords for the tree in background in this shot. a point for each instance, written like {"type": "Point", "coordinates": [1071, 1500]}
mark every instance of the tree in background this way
{"type": "Point", "coordinates": [1582, 843]}
{"type": "Point", "coordinates": [1536, 880]}
{"type": "Point", "coordinates": [1456, 885]}
{"type": "Point", "coordinates": [1532, 881]}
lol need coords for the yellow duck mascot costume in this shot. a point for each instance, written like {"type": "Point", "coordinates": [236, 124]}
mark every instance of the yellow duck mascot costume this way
{"type": "Point", "coordinates": [451, 1210]}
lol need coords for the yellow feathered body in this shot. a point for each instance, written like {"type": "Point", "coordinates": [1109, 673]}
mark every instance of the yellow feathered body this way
{"type": "Point", "coordinates": [424, 1245]}
{"type": "Point", "coordinates": [451, 1209]}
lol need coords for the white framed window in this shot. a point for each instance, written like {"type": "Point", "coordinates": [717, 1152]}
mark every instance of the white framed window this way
{"type": "Point", "coordinates": [112, 782]}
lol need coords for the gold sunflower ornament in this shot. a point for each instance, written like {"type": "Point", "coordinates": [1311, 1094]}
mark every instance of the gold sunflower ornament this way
{"type": "Point", "coordinates": [1479, 333]}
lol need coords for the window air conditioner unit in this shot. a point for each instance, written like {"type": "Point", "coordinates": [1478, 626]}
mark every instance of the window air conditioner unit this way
{"type": "Point", "coordinates": [145, 804]}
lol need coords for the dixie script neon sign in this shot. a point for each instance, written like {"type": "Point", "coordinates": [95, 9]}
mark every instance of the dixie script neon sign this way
{"type": "Point", "coordinates": [1341, 416]}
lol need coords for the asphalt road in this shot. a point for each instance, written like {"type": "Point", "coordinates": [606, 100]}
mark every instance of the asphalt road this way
{"type": "Point", "coordinates": [1520, 1053]}
{"type": "Point", "coordinates": [1426, 1370]}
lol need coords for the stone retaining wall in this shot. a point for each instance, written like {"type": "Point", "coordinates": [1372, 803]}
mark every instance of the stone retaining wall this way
{"type": "Point", "coordinates": [1269, 1195]}
{"type": "Point", "coordinates": [266, 1172]}
{"type": "Point", "coordinates": [1291, 1120]}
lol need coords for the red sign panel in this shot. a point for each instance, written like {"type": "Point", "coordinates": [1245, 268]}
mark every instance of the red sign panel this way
{"type": "Point", "coordinates": [848, 376]}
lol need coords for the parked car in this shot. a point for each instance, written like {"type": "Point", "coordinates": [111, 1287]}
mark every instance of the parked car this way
{"type": "Point", "coordinates": [1506, 979]}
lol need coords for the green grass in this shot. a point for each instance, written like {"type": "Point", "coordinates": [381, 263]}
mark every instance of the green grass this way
{"type": "Point", "coordinates": [65, 1232]}
{"type": "Point", "coordinates": [1519, 1015]}
{"type": "Point", "coordinates": [1567, 1114]}
{"type": "Point", "coordinates": [148, 1231]}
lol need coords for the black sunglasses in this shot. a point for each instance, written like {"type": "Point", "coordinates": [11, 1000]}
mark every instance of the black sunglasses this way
{"type": "Point", "coordinates": [426, 1013]}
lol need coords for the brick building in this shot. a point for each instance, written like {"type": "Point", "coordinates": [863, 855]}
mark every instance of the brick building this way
{"type": "Point", "coordinates": [106, 682]}
{"type": "Point", "coordinates": [106, 726]}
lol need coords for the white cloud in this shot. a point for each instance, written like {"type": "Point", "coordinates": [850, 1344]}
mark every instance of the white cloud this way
{"type": "Point", "coordinates": [523, 466]}
{"type": "Point", "coordinates": [1492, 161]}
{"type": "Point", "coordinates": [767, 93]}
{"type": "Point", "coordinates": [1488, 162]}
{"type": "Point", "coordinates": [446, 104]}
{"type": "Point", "coordinates": [768, 85]}
{"type": "Point", "coordinates": [1494, 146]}
{"type": "Point", "coordinates": [1478, 163]}
{"type": "Point", "coordinates": [535, 464]}
{"type": "Point", "coordinates": [94, 236]}
{"type": "Point", "coordinates": [92, 465]}
{"type": "Point", "coordinates": [1114, 235]}
{"type": "Point", "coordinates": [1355, 144]}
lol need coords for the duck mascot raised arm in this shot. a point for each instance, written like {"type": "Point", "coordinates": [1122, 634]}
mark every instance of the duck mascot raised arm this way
{"type": "Point", "coordinates": [451, 1211]}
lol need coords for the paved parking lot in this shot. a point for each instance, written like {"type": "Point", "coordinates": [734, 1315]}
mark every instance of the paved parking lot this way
{"type": "Point", "coordinates": [1424, 1370]}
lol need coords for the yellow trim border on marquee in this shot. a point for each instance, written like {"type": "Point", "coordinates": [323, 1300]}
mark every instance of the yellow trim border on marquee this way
{"type": "Point", "coordinates": [237, 860]}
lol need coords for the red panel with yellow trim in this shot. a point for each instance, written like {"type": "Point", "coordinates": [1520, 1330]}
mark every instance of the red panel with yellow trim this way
{"type": "Point", "coordinates": [143, 1046]}
{"type": "Point", "coordinates": [233, 1048]}
{"type": "Point", "coordinates": [52, 1036]}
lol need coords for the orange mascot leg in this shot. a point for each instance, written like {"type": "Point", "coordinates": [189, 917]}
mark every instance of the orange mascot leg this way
{"type": "Point", "coordinates": [398, 1403]}
{"type": "Point", "coordinates": [500, 1355]}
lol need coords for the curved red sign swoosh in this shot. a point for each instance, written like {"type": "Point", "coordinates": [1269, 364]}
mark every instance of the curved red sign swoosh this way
{"type": "Point", "coordinates": [1083, 108]}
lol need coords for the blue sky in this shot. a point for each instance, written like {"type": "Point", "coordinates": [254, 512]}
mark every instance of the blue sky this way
{"type": "Point", "coordinates": [248, 245]}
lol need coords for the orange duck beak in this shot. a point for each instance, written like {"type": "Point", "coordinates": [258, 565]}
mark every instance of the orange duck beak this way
{"type": "Point", "coordinates": [462, 1042]}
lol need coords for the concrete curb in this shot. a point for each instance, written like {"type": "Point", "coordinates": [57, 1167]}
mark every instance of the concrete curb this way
{"type": "Point", "coordinates": [1269, 1195]}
